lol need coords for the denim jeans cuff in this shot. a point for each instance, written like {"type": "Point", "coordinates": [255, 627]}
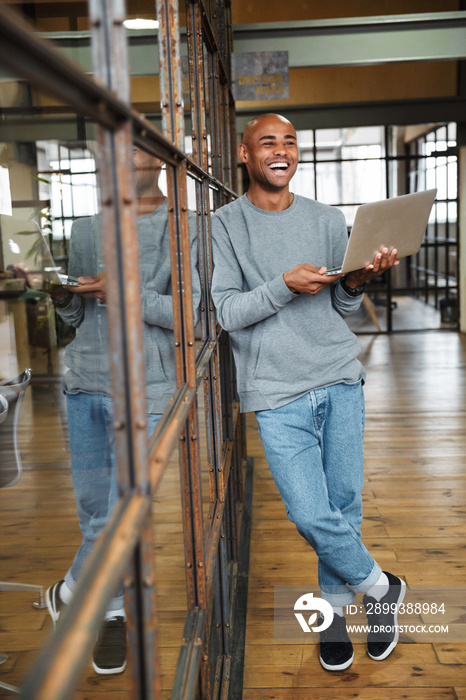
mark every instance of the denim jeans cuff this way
{"type": "Point", "coordinates": [115, 603]}
{"type": "Point", "coordinates": [368, 582]}
{"type": "Point", "coordinates": [338, 600]}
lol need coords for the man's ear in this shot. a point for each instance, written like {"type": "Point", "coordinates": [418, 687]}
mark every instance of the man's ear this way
{"type": "Point", "coordinates": [243, 153]}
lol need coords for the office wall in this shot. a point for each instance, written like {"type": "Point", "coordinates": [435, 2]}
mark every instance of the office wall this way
{"type": "Point", "coordinates": [248, 11]}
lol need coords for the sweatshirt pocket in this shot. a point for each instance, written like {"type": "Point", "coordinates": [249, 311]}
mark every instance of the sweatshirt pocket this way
{"type": "Point", "coordinates": [158, 352]}
{"type": "Point", "coordinates": [281, 356]}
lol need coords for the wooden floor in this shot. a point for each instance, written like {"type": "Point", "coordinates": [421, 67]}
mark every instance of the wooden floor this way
{"type": "Point", "coordinates": [414, 523]}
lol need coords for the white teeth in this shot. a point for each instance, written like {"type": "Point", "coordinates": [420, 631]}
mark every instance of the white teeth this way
{"type": "Point", "coordinates": [279, 166]}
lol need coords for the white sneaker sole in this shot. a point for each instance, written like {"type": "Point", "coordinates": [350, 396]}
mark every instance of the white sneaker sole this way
{"type": "Point", "coordinates": [108, 671]}
{"type": "Point", "coordinates": [49, 598]}
{"type": "Point", "coordinates": [340, 667]}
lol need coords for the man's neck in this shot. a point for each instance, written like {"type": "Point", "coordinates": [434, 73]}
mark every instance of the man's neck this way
{"type": "Point", "coordinates": [149, 201]}
{"type": "Point", "coordinates": [270, 201]}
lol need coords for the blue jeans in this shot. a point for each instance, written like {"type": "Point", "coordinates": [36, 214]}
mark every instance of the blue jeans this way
{"type": "Point", "coordinates": [93, 467]}
{"type": "Point", "coordinates": [314, 448]}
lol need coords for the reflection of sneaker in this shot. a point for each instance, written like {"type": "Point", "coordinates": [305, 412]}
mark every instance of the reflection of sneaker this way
{"type": "Point", "coordinates": [54, 602]}
{"type": "Point", "coordinates": [109, 654]}
{"type": "Point", "coordinates": [382, 617]}
{"type": "Point", "coordinates": [336, 650]}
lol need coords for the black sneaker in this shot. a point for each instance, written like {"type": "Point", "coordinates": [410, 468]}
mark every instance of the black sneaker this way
{"type": "Point", "coordinates": [109, 654]}
{"type": "Point", "coordinates": [54, 603]}
{"type": "Point", "coordinates": [382, 617]}
{"type": "Point", "coordinates": [336, 650]}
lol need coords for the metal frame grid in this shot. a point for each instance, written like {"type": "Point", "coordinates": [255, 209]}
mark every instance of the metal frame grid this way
{"type": "Point", "coordinates": [430, 272]}
{"type": "Point", "coordinates": [211, 547]}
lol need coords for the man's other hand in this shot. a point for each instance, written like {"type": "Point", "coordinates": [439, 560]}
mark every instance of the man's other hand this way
{"type": "Point", "coordinates": [383, 261]}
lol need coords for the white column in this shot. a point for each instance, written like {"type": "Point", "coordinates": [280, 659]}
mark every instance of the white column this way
{"type": "Point", "coordinates": [462, 233]}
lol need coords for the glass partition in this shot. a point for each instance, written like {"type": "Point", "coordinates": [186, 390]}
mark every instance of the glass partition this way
{"type": "Point", "coordinates": [105, 275]}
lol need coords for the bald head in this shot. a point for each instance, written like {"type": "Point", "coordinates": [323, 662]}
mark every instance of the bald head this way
{"type": "Point", "coordinates": [269, 151]}
{"type": "Point", "coordinates": [257, 122]}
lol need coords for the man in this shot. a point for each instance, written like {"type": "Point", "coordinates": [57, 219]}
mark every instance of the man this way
{"type": "Point", "coordinates": [87, 381]}
{"type": "Point", "coordinates": [298, 370]}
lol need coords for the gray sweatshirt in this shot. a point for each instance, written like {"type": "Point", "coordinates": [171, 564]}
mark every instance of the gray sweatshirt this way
{"type": "Point", "coordinates": [88, 356]}
{"type": "Point", "coordinates": [284, 344]}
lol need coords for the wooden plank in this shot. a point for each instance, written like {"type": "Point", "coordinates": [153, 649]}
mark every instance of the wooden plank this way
{"type": "Point", "coordinates": [351, 693]}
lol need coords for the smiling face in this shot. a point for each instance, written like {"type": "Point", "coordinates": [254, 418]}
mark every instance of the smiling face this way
{"type": "Point", "coordinates": [270, 152]}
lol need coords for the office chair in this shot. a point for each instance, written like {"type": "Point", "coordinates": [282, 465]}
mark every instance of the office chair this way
{"type": "Point", "coordinates": [11, 397]}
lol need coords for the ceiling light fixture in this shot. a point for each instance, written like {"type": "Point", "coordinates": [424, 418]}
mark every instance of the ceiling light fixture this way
{"type": "Point", "coordinates": [141, 23]}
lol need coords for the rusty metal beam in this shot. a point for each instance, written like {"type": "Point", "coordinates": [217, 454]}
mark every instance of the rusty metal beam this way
{"type": "Point", "coordinates": [119, 232]}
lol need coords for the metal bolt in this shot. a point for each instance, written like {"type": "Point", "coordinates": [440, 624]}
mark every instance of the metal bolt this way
{"type": "Point", "coordinates": [119, 425]}
{"type": "Point", "coordinates": [200, 564]}
{"type": "Point", "coordinates": [194, 438]}
{"type": "Point", "coordinates": [141, 424]}
{"type": "Point", "coordinates": [189, 565]}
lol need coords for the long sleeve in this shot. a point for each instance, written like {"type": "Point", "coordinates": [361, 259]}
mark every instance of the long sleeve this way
{"type": "Point", "coordinates": [236, 308]}
{"type": "Point", "coordinates": [342, 302]}
{"type": "Point", "coordinates": [73, 313]}
{"type": "Point", "coordinates": [157, 307]}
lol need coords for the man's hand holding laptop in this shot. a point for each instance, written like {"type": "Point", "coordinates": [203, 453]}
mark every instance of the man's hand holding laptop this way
{"type": "Point", "coordinates": [309, 279]}
{"type": "Point", "coordinates": [383, 261]}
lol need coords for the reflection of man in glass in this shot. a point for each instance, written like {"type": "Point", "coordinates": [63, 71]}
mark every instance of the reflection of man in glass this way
{"type": "Point", "coordinates": [87, 381]}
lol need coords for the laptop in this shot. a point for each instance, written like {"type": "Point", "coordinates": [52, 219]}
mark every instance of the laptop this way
{"type": "Point", "coordinates": [23, 246]}
{"type": "Point", "coordinates": [398, 223]}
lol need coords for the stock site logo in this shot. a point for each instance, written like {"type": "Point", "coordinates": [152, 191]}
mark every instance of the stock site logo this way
{"type": "Point", "coordinates": [306, 603]}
